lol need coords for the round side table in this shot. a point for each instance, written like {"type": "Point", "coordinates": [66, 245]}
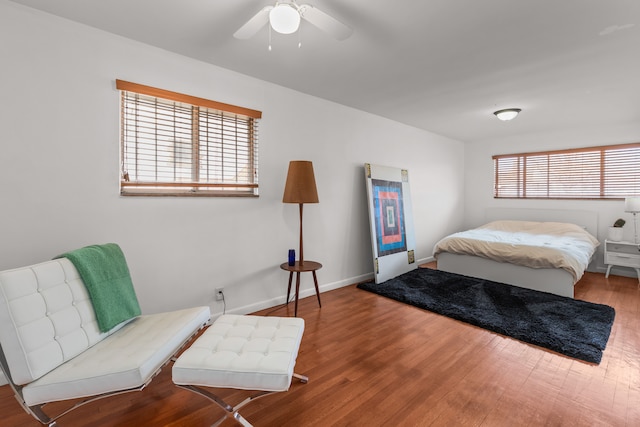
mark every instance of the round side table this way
{"type": "Point", "coordinates": [301, 267]}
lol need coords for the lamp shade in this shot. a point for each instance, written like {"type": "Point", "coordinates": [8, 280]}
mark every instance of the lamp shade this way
{"type": "Point", "coordinates": [632, 204]}
{"type": "Point", "coordinates": [301, 183]}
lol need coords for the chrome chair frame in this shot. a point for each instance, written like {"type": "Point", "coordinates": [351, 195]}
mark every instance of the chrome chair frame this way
{"type": "Point", "coordinates": [233, 411]}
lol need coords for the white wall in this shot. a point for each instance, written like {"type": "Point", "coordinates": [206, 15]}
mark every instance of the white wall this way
{"type": "Point", "coordinates": [59, 172]}
{"type": "Point", "coordinates": [479, 178]}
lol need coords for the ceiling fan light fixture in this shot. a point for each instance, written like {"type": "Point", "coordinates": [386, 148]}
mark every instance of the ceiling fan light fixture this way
{"type": "Point", "coordinates": [507, 113]}
{"type": "Point", "coordinates": [284, 19]}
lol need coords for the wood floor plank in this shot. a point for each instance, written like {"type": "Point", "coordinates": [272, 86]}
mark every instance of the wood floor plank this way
{"type": "Point", "coordinates": [373, 361]}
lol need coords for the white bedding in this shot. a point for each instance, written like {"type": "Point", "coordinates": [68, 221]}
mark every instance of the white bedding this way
{"type": "Point", "coordinates": [527, 243]}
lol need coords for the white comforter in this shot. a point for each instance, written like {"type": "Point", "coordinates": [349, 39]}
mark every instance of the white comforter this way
{"type": "Point", "coordinates": [532, 244]}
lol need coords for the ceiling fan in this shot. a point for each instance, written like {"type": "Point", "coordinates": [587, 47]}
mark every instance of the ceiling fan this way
{"type": "Point", "coordinates": [284, 17]}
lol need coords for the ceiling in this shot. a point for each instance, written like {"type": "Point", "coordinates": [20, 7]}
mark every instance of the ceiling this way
{"type": "Point", "coordinates": [439, 65]}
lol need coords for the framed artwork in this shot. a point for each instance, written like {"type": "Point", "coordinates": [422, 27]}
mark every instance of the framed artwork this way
{"type": "Point", "coordinates": [391, 221]}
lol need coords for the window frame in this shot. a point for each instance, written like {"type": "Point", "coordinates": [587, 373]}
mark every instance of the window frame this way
{"type": "Point", "coordinates": [608, 172]}
{"type": "Point", "coordinates": [243, 141]}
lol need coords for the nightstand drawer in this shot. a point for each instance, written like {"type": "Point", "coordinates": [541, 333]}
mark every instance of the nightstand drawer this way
{"type": "Point", "coordinates": [623, 248]}
{"type": "Point", "coordinates": [622, 259]}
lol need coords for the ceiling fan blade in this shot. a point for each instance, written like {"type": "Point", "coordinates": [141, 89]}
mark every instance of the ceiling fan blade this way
{"type": "Point", "coordinates": [325, 22]}
{"type": "Point", "coordinates": [254, 24]}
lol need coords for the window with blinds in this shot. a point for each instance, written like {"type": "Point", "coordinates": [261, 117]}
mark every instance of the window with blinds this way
{"type": "Point", "coordinates": [607, 172]}
{"type": "Point", "coordinates": [179, 145]}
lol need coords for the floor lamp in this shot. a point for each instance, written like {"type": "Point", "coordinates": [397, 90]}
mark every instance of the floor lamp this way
{"type": "Point", "coordinates": [632, 205]}
{"type": "Point", "coordinates": [300, 188]}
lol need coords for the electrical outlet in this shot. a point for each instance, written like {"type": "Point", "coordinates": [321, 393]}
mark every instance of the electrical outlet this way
{"type": "Point", "coordinates": [219, 294]}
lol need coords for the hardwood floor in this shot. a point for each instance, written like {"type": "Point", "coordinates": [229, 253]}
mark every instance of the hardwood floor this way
{"type": "Point", "coordinates": [376, 362]}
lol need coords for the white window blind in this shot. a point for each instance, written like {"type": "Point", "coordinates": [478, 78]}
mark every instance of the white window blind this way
{"type": "Point", "coordinates": [606, 172]}
{"type": "Point", "coordinates": [179, 145]}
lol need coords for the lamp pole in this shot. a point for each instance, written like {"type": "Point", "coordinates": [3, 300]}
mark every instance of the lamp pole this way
{"type": "Point", "coordinates": [301, 248]}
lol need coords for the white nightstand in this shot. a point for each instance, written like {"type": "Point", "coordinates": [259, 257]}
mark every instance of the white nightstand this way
{"type": "Point", "coordinates": [623, 254]}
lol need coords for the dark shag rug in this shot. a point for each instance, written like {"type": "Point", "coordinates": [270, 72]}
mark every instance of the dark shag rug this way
{"type": "Point", "coordinates": [575, 328]}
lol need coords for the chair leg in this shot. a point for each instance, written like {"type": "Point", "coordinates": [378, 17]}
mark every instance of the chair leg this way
{"type": "Point", "coordinates": [303, 379]}
{"type": "Point", "coordinates": [242, 420]}
{"type": "Point", "coordinates": [231, 411]}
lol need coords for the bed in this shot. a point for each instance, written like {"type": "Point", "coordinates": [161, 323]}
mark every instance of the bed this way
{"type": "Point", "coordinates": [537, 249]}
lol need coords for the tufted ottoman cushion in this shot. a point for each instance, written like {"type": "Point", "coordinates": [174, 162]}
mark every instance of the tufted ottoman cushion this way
{"type": "Point", "coordinates": [243, 352]}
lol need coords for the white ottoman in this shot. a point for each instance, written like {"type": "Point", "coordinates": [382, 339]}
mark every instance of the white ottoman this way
{"type": "Point", "coordinates": [242, 352]}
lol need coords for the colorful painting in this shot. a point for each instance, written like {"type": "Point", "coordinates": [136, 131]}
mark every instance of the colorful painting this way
{"type": "Point", "coordinates": [391, 221]}
{"type": "Point", "coordinates": [389, 217]}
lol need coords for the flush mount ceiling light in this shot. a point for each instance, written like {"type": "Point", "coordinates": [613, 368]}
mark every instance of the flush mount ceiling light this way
{"type": "Point", "coordinates": [507, 113]}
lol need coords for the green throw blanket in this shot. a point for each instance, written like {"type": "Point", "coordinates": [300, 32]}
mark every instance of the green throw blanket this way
{"type": "Point", "coordinates": [104, 271]}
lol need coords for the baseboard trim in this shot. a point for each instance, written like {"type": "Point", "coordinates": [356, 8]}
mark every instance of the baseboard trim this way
{"type": "Point", "coordinates": [273, 302]}
{"type": "Point", "coordinates": [425, 260]}
{"type": "Point", "coordinates": [617, 271]}
{"type": "Point", "coordinates": [304, 293]}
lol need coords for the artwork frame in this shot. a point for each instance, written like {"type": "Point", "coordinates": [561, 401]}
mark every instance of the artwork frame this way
{"type": "Point", "coordinates": [390, 220]}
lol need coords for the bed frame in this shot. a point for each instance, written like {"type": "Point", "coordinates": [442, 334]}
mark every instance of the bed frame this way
{"type": "Point", "coordinates": [554, 280]}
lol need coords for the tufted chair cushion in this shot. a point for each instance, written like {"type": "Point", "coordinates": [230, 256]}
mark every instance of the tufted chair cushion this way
{"type": "Point", "coordinates": [124, 360]}
{"type": "Point", "coordinates": [244, 352]}
{"type": "Point", "coordinates": [46, 318]}
{"type": "Point", "coordinates": [54, 350]}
